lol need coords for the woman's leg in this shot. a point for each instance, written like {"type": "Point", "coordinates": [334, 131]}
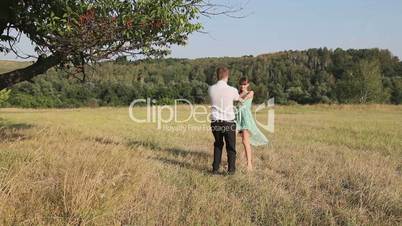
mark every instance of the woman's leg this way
{"type": "Point", "coordinates": [247, 148]}
{"type": "Point", "coordinates": [242, 154]}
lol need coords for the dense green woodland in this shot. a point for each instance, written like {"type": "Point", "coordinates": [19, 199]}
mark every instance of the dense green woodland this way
{"type": "Point", "coordinates": [304, 77]}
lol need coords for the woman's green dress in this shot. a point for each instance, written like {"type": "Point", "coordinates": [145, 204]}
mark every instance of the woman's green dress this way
{"type": "Point", "coordinates": [245, 121]}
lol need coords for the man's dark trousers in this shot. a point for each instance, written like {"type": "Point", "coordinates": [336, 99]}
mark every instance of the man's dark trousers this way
{"type": "Point", "coordinates": [224, 131]}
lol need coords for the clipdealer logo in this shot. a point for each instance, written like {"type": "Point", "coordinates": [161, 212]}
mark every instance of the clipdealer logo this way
{"type": "Point", "coordinates": [167, 114]}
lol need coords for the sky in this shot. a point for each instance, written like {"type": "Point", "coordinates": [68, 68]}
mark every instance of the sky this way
{"type": "Point", "coordinates": [277, 25]}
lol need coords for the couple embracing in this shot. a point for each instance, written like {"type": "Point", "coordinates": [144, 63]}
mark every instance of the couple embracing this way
{"type": "Point", "coordinates": [226, 120]}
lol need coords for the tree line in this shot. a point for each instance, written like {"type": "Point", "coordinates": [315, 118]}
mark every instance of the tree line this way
{"type": "Point", "coordinates": [305, 77]}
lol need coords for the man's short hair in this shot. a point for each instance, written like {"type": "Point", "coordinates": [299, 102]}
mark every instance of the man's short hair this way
{"type": "Point", "coordinates": [222, 72]}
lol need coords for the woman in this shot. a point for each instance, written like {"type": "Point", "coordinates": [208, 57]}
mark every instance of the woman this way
{"type": "Point", "coordinates": [245, 122]}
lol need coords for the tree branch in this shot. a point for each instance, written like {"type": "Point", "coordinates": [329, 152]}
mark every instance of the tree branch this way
{"type": "Point", "coordinates": [25, 74]}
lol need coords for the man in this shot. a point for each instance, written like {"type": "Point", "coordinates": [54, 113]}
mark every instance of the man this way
{"type": "Point", "coordinates": [223, 123]}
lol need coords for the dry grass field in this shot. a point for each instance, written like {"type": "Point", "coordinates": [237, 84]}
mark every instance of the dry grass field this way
{"type": "Point", "coordinates": [9, 65]}
{"type": "Point", "coordinates": [325, 165]}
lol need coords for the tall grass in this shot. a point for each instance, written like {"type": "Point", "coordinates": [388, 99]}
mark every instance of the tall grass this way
{"type": "Point", "coordinates": [325, 165]}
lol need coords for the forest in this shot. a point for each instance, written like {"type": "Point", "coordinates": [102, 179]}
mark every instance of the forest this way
{"type": "Point", "coordinates": [313, 76]}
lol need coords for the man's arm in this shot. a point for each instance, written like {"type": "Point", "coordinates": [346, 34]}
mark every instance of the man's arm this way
{"type": "Point", "coordinates": [210, 94]}
{"type": "Point", "coordinates": [236, 95]}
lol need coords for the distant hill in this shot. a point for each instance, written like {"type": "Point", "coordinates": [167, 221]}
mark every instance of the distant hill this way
{"type": "Point", "coordinates": [9, 65]}
{"type": "Point", "coordinates": [305, 77]}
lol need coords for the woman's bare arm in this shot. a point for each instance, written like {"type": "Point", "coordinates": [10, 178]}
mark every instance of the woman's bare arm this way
{"type": "Point", "coordinates": [249, 95]}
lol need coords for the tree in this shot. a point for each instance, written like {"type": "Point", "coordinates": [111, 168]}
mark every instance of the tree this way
{"type": "Point", "coordinates": [78, 32]}
{"type": "Point", "coordinates": [4, 95]}
{"type": "Point", "coordinates": [289, 78]}
{"type": "Point", "coordinates": [396, 97]}
{"type": "Point", "coordinates": [362, 84]}
{"type": "Point", "coordinates": [372, 90]}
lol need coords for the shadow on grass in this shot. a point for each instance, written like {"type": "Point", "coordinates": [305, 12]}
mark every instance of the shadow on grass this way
{"type": "Point", "coordinates": [11, 132]}
{"type": "Point", "coordinates": [175, 152]}
{"type": "Point", "coordinates": [103, 140]}
{"type": "Point", "coordinates": [182, 164]}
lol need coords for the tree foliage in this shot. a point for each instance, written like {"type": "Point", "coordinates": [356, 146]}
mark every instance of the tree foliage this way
{"type": "Point", "coordinates": [77, 32]}
{"type": "Point", "coordinates": [4, 95]}
{"type": "Point", "coordinates": [304, 77]}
